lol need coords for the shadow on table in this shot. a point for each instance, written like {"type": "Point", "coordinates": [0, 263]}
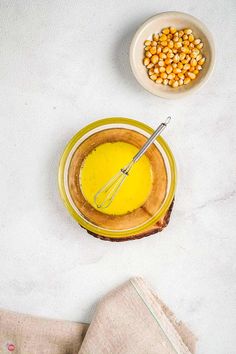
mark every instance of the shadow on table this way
{"type": "Point", "coordinates": [121, 55]}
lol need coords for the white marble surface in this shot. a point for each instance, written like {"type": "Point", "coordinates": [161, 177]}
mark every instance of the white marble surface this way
{"type": "Point", "coordinates": [65, 64]}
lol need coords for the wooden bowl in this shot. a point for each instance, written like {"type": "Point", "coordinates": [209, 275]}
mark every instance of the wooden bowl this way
{"type": "Point", "coordinates": [153, 215]}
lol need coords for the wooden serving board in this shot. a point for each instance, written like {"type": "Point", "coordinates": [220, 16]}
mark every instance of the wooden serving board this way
{"type": "Point", "coordinates": [158, 227]}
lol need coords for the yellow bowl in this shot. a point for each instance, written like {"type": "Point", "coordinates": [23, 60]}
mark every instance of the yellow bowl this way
{"type": "Point", "coordinates": [85, 133]}
{"type": "Point", "coordinates": [155, 24]}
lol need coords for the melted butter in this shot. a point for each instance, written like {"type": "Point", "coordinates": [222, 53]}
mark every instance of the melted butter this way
{"type": "Point", "coordinates": [103, 163]}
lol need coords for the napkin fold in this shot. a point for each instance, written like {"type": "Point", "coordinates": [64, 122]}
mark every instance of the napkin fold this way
{"type": "Point", "coordinates": [131, 319]}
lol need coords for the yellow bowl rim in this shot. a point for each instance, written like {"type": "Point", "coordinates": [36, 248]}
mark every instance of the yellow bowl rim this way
{"type": "Point", "coordinates": [96, 229]}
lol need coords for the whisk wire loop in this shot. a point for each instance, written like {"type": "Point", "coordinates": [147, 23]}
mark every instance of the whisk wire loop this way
{"type": "Point", "coordinates": [105, 196]}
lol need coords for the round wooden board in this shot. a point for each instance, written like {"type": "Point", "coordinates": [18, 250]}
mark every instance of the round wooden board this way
{"type": "Point", "coordinates": [158, 227]}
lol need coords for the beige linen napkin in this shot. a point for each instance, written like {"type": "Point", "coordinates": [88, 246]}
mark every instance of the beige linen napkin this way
{"type": "Point", "coordinates": [132, 320]}
{"type": "Point", "coordinates": [129, 320]}
{"type": "Point", "coordinates": [24, 334]}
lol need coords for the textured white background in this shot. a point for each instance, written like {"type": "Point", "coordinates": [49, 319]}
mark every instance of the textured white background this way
{"type": "Point", "coordinates": [64, 64]}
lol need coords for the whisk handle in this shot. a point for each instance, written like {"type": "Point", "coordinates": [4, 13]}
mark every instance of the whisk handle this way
{"type": "Point", "coordinates": [157, 132]}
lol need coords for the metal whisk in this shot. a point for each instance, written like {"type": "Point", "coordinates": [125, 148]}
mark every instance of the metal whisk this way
{"type": "Point", "coordinates": [105, 196]}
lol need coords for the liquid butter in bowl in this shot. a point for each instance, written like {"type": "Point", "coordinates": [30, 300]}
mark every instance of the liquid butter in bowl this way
{"type": "Point", "coordinates": [94, 155]}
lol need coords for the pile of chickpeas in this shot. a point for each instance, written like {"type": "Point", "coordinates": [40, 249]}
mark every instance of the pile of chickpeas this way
{"type": "Point", "coordinates": [173, 57]}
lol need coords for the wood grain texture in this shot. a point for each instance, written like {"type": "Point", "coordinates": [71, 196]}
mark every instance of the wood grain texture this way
{"type": "Point", "coordinates": [158, 227]}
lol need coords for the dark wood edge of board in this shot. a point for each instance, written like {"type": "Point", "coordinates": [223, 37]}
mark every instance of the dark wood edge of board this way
{"type": "Point", "coordinates": [158, 227]}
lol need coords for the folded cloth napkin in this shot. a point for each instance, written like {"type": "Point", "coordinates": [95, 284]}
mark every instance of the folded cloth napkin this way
{"type": "Point", "coordinates": [129, 320]}
{"type": "Point", "coordinates": [25, 334]}
{"type": "Point", "coordinates": [132, 320]}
